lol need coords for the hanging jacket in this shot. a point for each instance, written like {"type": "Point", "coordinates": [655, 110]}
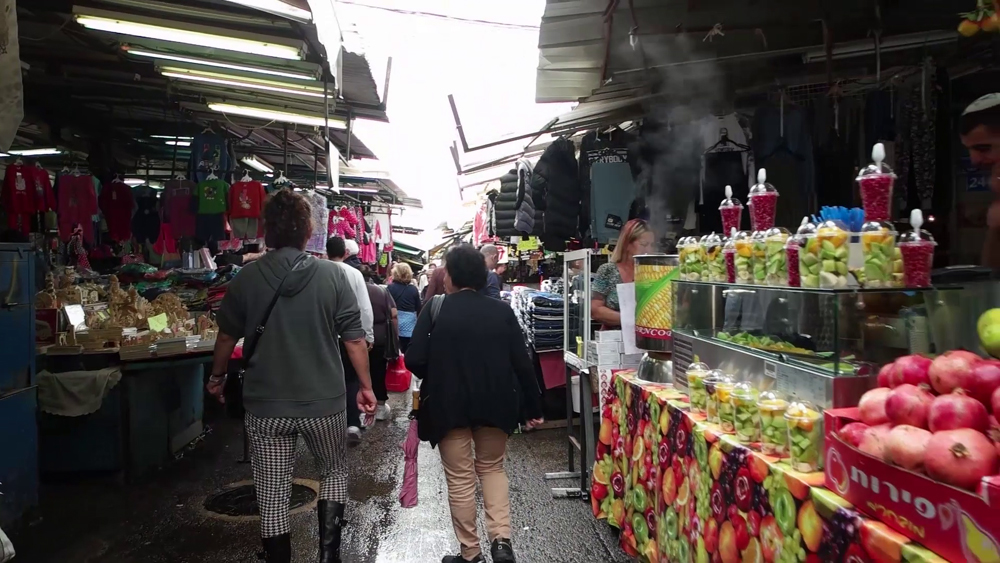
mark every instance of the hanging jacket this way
{"type": "Point", "coordinates": [524, 217]}
{"type": "Point", "coordinates": [556, 182]}
{"type": "Point", "coordinates": [506, 206]}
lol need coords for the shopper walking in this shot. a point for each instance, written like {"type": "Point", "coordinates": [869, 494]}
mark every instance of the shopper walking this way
{"type": "Point", "coordinates": [634, 239]}
{"type": "Point", "coordinates": [386, 328]}
{"type": "Point", "coordinates": [478, 384]}
{"type": "Point", "coordinates": [339, 251]}
{"type": "Point", "coordinates": [294, 381]}
{"type": "Point", "coordinates": [435, 286]}
{"type": "Point", "coordinates": [407, 299]}
{"type": "Point", "coordinates": [492, 256]}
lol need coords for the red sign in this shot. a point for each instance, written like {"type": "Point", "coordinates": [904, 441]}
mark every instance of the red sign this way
{"type": "Point", "coordinates": [956, 524]}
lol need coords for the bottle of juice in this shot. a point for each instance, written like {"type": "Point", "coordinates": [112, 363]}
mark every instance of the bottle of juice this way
{"type": "Point", "coordinates": [715, 262]}
{"type": "Point", "coordinates": [805, 436]}
{"type": "Point", "coordinates": [729, 255]}
{"type": "Point", "coordinates": [732, 212]}
{"type": "Point", "coordinates": [917, 249]}
{"type": "Point", "coordinates": [763, 203]}
{"type": "Point", "coordinates": [771, 425]}
{"type": "Point", "coordinates": [696, 374]}
{"type": "Point", "coordinates": [876, 181]}
{"type": "Point", "coordinates": [744, 401]}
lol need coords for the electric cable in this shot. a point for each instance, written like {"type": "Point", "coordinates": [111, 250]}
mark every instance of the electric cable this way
{"type": "Point", "coordinates": [443, 16]}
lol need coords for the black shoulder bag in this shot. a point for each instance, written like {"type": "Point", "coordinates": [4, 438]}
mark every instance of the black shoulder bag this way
{"type": "Point", "coordinates": [425, 428]}
{"type": "Point", "coordinates": [233, 390]}
{"type": "Point", "coordinates": [391, 334]}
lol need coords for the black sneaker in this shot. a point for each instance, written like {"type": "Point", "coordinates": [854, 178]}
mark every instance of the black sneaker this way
{"type": "Point", "coordinates": [458, 559]}
{"type": "Point", "coordinates": [502, 551]}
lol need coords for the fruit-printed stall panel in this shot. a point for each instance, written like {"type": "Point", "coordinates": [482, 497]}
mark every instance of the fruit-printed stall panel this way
{"type": "Point", "coordinates": [681, 490]}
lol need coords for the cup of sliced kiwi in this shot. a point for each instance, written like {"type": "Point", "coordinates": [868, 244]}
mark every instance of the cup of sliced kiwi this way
{"type": "Point", "coordinates": [712, 381]}
{"type": "Point", "coordinates": [744, 404]}
{"type": "Point", "coordinates": [771, 425]}
{"type": "Point", "coordinates": [723, 397]}
{"type": "Point", "coordinates": [805, 436]}
{"type": "Point", "coordinates": [696, 374]}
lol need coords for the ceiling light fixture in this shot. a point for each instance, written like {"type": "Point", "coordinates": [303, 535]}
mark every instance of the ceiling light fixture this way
{"type": "Point", "coordinates": [197, 38]}
{"type": "Point", "coordinates": [360, 189]}
{"type": "Point", "coordinates": [178, 143]}
{"type": "Point", "coordinates": [257, 164]}
{"type": "Point", "coordinates": [240, 82]}
{"type": "Point", "coordinates": [133, 182]}
{"type": "Point", "coordinates": [274, 115]}
{"type": "Point", "coordinates": [277, 7]}
{"type": "Point", "coordinates": [35, 152]}
{"type": "Point", "coordinates": [172, 137]}
{"type": "Point", "coordinates": [220, 64]}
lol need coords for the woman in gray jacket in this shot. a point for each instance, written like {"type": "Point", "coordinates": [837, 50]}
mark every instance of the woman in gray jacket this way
{"type": "Point", "coordinates": [294, 383]}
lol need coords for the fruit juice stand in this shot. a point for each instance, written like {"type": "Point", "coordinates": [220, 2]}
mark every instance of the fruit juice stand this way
{"type": "Point", "coordinates": [681, 490]}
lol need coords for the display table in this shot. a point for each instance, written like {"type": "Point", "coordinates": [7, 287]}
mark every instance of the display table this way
{"type": "Point", "coordinates": [682, 491]}
{"type": "Point", "coordinates": [154, 412]}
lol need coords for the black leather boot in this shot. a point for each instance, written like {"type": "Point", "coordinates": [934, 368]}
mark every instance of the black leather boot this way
{"type": "Point", "coordinates": [331, 523]}
{"type": "Point", "coordinates": [278, 549]}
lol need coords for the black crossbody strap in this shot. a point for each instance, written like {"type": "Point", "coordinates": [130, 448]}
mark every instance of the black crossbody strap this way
{"type": "Point", "coordinates": [250, 345]}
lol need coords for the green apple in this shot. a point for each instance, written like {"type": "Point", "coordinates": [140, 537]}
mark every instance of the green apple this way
{"type": "Point", "coordinates": [991, 317]}
{"type": "Point", "coordinates": [990, 338]}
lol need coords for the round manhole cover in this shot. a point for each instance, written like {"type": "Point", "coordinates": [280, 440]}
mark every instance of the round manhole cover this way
{"type": "Point", "coordinates": [242, 500]}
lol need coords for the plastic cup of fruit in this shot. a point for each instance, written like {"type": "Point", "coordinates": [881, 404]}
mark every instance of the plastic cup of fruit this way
{"type": "Point", "coordinates": [696, 374]}
{"type": "Point", "coordinates": [776, 259]}
{"type": "Point", "coordinates": [792, 265]}
{"type": "Point", "coordinates": [878, 246]}
{"type": "Point", "coordinates": [744, 402]}
{"type": "Point", "coordinates": [731, 211]}
{"type": "Point", "coordinates": [758, 262]}
{"type": "Point", "coordinates": [691, 261]}
{"type": "Point", "coordinates": [771, 425]}
{"type": "Point", "coordinates": [724, 406]}
{"type": "Point", "coordinates": [763, 202]}
{"type": "Point", "coordinates": [876, 181]}
{"type": "Point", "coordinates": [715, 263]}
{"type": "Point", "coordinates": [830, 252]}
{"type": "Point", "coordinates": [743, 258]}
{"type": "Point", "coordinates": [918, 258]}
{"type": "Point", "coordinates": [712, 381]}
{"type": "Point", "coordinates": [729, 255]}
{"type": "Point", "coordinates": [805, 436]}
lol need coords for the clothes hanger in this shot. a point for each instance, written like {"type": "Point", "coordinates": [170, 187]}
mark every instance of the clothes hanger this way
{"type": "Point", "coordinates": [211, 175]}
{"type": "Point", "coordinates": [246, 176]}
{"type": "Point", "coordinates": [19, 161]}
{"type": "Point", "coordinates": [725, 140]}
{"type": "Point", "coordinates": [76, 170]}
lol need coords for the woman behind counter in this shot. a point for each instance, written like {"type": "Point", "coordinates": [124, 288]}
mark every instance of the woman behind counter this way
{"type": "Point", "coordinates": [635, 238]}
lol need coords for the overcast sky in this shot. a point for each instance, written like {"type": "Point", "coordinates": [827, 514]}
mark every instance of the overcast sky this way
{"type": "Point", "coordinates": [489, 69]}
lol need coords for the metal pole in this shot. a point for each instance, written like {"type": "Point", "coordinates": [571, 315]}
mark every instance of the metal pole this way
{"type": "Point", "coordinates": [284, 145]}
{"type": "Point", "coordinates": [350, 133]}
{"type": "Point", "coordinates": [315, 165]}
{"type": "Point", "coordinates": [326, 125]}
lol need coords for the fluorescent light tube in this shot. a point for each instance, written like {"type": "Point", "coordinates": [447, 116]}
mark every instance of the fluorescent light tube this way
{"type": "Point", "coordinates": [359, 189]}
{"type": "Point", "coordinates": [274, 115]}
{"type": "Point", "coordinates": [133, 182]}
{"type": "Point", "coordinates": [196, 38]}
{"type": "Point", "coordinates": [3, 154]}
{"type": "Point", "coordinates": [220, 64]}
{"type": "Point", "coordinates": [256, 164]}
{"type": "Point", "coordinates": [178, 143]}
{"type": "Point", "coordinates": [172, 137]}
{"type": "Point", "coordinates": [240, 82]}
{"type": "Point", "coordinates": [35, 152]}
{"type": "Point", "coordinates": [277, 7]}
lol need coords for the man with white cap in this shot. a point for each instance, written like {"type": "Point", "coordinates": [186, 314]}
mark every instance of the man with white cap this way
{"type": "Point", "coordinates": [980, 131]}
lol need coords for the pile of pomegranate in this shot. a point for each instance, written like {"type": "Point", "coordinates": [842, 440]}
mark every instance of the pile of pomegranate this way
{"type": "Point", "coordinates": [933, 416]}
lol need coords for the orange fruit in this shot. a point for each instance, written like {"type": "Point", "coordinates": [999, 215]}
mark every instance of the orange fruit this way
{"type": "Point", "coordinates": [968, 28]}
{"type": "Point", "coordinates": [752, 553]}
{"type": "Point", "coordinates": [684, 493]}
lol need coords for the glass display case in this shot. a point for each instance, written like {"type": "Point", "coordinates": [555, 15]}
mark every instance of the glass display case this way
{"type": "Point", "coordinates": [576, 297]}
{"type": "Point", "coordinates": [820, 345]}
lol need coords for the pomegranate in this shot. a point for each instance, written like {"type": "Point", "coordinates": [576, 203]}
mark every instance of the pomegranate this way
{"type": "Point", "coordinates": [912, 369]}
{"type": "Point", "coordinates": [873, 442]}
{"type": "Point", "coordinates": [952, 370]}
{"type": "Point", "coordinates": [908, 404]}
{"type": "Point", "coordinates": [960, 457]}
{"type": "Point", "coordinates": [957, 410]}
{"type": "Point", "coordinates": [885, 375]}
{"type": "Point", "coordinates": [872, 406]}
{"type": "Point", "coordinates": [905, 446]}
{"type": "Point", "coordinates": [853, 433]}
{"type": "Point", "coordinates": [985, 380]}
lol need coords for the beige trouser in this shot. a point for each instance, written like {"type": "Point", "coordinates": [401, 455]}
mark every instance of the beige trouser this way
{"type": "Point", "coordinates": [461, 469]}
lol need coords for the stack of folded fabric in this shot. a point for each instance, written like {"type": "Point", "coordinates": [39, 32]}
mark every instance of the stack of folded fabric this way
{"type": "Point", "coordinates": [541, 317]}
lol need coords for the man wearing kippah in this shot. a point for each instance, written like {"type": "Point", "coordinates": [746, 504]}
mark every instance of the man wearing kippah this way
{"type": "Point", "coordinates": [980, 131]}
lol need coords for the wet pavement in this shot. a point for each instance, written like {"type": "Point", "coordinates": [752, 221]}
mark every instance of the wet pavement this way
{"type": "Point", "coordinates": [161, 519]}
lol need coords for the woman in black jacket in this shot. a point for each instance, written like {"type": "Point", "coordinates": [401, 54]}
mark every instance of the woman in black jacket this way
{"type": "Point", "coordinates": [478, 384]}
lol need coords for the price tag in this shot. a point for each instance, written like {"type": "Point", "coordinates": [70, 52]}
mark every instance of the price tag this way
{"type": "Point", "coordinates": [770, 370]}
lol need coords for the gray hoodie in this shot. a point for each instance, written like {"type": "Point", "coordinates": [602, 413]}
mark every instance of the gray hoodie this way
{"type": "Point", "coordinates": [296, 371]}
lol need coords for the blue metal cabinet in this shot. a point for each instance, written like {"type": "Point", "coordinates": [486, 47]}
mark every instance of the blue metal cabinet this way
{"type": "Point", "coordinates": [18, 397]}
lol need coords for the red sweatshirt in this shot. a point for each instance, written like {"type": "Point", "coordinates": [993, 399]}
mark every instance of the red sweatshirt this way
{"type": "Point", "coordinates": [117, 205]}
{"type": "Point", "coordinates": [17, 197]}
{"type": "Point", "coordinates": [77, 205]}
{"type": "Point", "coordinates": [246, 199]}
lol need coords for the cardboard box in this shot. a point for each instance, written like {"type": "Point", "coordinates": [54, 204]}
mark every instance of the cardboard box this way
{"type": "Point", "coordinates": [957, 524]}
{"type": "Point", "coordinates": [604, 348]}
{"type": "Point", "coordinates": [632, 358]}
{"type": "Point", "coordinates": [608, 336]}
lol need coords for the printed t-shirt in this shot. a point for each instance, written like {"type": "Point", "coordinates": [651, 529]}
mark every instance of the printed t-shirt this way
{"type": "Point", "coordinates": [246, 200]}
{"type": "Point", "coordinates": [177, 208]}
{"type": "Point", "coordinates": [212, 196]}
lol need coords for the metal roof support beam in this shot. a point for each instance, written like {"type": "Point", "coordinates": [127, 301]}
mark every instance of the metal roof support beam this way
{"type": "Point", "coordinates": [465, 144]}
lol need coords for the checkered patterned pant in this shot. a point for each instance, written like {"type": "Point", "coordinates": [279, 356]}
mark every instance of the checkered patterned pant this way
{"type": "Point", "coordinates": [272, 454]}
